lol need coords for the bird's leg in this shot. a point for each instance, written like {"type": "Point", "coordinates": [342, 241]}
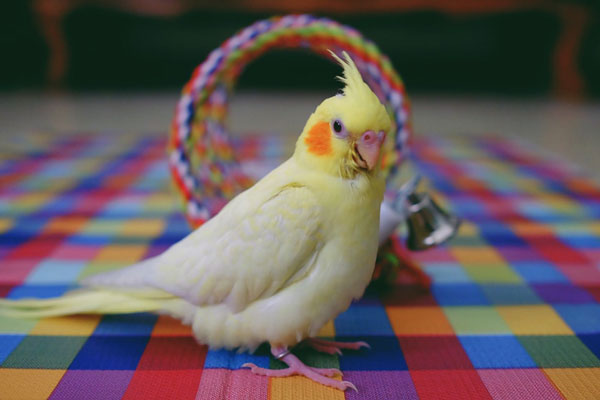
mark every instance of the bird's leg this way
{"type": "Point", "coordinates": [331, 347]}
{"type": "Point", "coordinates": [297, 367]}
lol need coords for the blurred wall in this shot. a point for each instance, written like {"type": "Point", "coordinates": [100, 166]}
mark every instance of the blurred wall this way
{"type": "Point", "coordinates": [495, 46]}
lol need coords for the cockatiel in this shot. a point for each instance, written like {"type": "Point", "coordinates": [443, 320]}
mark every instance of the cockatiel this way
{"type": "Point", "coordinates": [281, 259]}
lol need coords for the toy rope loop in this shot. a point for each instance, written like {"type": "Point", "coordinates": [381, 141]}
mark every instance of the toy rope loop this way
{"type": "Point", "coordinates": [201, 158]}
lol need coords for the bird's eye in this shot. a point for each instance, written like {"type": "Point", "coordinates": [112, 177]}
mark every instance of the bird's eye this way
{"type": "Point", "coordinates": [338, 128]}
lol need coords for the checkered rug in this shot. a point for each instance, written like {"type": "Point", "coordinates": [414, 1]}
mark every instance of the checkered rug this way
{"type": "Point", "coordinates": [513, 311]}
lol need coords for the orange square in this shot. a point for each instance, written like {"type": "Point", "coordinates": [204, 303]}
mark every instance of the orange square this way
{"type": "Point", "coordinates": [476, 255]}
{"type": "Point", "coordinates": [122, 253]}
{"type": "Point", "coordinates": [65, 224]}
{"type": "Point", "coordinates": [73, 325]}
{"type": "Point", "coordinates": [168, 326]}
{"type": "Point", "coordinates": [534, 320]}
{"type": "Point", "coordinates": [426, 320]}
{"type": "Point", "coordinates": [576, 383]}
{"type": "Point", "coordinates": [30, 384]}
{"type": "Point", "coordinates": [531, 229]}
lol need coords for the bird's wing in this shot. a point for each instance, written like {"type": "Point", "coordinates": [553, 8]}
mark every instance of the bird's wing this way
{"type": "Point", "coordinates": [244, 256]}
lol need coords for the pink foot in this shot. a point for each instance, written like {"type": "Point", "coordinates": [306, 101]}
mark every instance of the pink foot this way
{"type": "Point", "coordinates": [297, 367]}
{"type": "Point", "coordinates": [330, 347]}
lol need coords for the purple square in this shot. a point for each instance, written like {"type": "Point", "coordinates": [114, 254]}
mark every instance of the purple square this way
{"type": "Point", "coordinates": [92, 385]}
{"type": "Point", "coordinates": [562, 293]}
{"type": "Point", "coordinates": [376, 385]}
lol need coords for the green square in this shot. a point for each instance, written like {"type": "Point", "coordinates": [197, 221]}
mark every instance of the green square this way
{"type": "Point", "coordinates": [102, 227]}
{"type": "Point", "coordinates": [476, 320]}
{"type": "Point", "coordinates": [509, 294]}
{"type": "Point", "coordinates": [497, 273]}
{"type": "Point", "coordinates": [310, 357]}
{"type": "Point", "coordinates": [98, 267]}
{"type": "Point", "coordinates": [559, 352]}
{"type": "Point", "coordinates": [45, 352]}
{"type": "Point", "coordinates": [16, 325]}
{"type": "Point", "coordinates": [468, 241]}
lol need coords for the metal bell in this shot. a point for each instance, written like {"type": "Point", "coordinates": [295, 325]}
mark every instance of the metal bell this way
{"type": "Point", "coordinates": [428, 224]}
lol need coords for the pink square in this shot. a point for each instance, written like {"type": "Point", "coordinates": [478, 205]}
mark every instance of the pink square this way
{"type": "Point", "coordinates": [435, 254]}
{"type": "Point", "coordinates": [581, 274]}
{"type": "Point", "coordinates": [14, 271]}
{"type": "Point", "coordinates": [232, 384]}
{"type": "Point", "coordinates": [512, 384]}
{"type": "Point", "coordinates": [75, 252]}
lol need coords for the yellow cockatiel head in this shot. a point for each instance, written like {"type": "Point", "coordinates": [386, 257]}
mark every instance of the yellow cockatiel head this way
{"type": "Point", "coordinates": [345, 134]}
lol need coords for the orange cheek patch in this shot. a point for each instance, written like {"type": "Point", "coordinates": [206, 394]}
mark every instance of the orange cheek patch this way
{"type": "Point", "coordinates": [318, 139]}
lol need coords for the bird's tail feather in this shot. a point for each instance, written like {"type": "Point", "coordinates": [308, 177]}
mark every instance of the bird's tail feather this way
{"type": "Point", "coordinates": [85, 301]}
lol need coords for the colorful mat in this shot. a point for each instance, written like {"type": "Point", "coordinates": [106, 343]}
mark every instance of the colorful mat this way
{"type": "Point", "coordinates": [513, 312]}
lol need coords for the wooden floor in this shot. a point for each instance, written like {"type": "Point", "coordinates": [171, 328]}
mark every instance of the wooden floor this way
{"type": "Point", "coordinates": [569, 130]}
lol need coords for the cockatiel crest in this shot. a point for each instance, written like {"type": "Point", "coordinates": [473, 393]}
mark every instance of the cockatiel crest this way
{"type": "Point", "coordinates": [345, 133]}
{"type": "Point", "coordinates": [280, 260]}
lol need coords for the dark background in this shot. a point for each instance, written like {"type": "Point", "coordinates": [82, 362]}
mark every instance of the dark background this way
{"type": "Point", "coordinates": [513, 48]}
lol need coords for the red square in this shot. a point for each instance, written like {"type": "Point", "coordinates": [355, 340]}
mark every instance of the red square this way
{"type": "Point", "coordinates": [449, 385]}
{"type": "Point", "coordinates": [172, 384]}
{"type": "Point", "coordinates": [38, 248]}
{"type": "Point", "coordinates": [556, 251]}
{"type": "Point", "coordinates": [179, 352]}
{"type": "Point", "coordinates": [434, 352]}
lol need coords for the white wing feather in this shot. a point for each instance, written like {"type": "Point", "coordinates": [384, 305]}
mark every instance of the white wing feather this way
{"type": "Point", "coordinates": [241, 255]}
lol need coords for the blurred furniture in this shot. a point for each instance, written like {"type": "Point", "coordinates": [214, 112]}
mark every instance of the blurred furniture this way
{"type": "Point", "coordinates": [566, 78]}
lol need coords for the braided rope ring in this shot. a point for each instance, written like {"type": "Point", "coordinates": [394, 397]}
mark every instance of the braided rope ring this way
{"type": "Point", "coordinates": [201, 158]}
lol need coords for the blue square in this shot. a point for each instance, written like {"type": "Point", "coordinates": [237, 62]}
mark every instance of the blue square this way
{"type": "Point", "coordinates": [459, 294]}
{"type": "Point", "coordinates": [234, 360]}
{"type": "Point", "coordinates": [137, 324]}
{"type": "Point", "coordinates": [39, 291]}
{"type": "Point", "coordinates": [510, 294]}
{"type": "Point", "coordinates": [110, 353]}
{"type": "Point", "coordinates": [581, 241]}
{"type": "Point", "coordinates": [9, 343]}
{"type": "Point", "coordinates": [538, 272]}
{"type": "Point", "coordinates": [496, 352]}
{"type": "Point", "coordinates": [592, 341]}
{"type": "Point", "coordinates": [582, 318]}
{"type": "Point", "coordinates": [384, 355]}
{"type": "Point", "coordinates": [361, 320]}
{"type": "Point", "coordinates": [53, 271]}
{"type": "Point", "coordinates": [447, 273]}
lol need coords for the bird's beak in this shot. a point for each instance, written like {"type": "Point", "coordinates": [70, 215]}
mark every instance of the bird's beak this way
{"type": "Point", "coordinates": [368, 147]}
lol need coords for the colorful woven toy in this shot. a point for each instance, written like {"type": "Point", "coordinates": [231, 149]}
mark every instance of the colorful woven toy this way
{"type": "Point", "coordinates": [202, 160]}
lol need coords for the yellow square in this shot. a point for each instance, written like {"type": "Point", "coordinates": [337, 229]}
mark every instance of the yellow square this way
{"type": "Point", "coordinates": [500, 273]}
{"type": "Point", "coordinates": [534, 320]}
{"type": "Point", "coordinates": [143, 227]}
{"type": "Point", "coordinates": [426, 320]}
{"type": "Point", "coordinates": [299, 387]}
{"type": "Point", "coordinates": [122, 253]}
{"type": "Point", "coordinates": [28, 384]}
{"type": "Point", "coordinates": [31, 201]}
{"type": "Point", "coordinates": [73, 325]}
{"type": "Point", "coordinates": [468, 229]}
{"type": "Point", "coordinates": [476, 255]}
{"type": "Point", "coordinates": [5, 224]}
{"type": "Point", "coordinates": [576, 383]}
{"type": "Point", "coordinates": [328, 330]}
